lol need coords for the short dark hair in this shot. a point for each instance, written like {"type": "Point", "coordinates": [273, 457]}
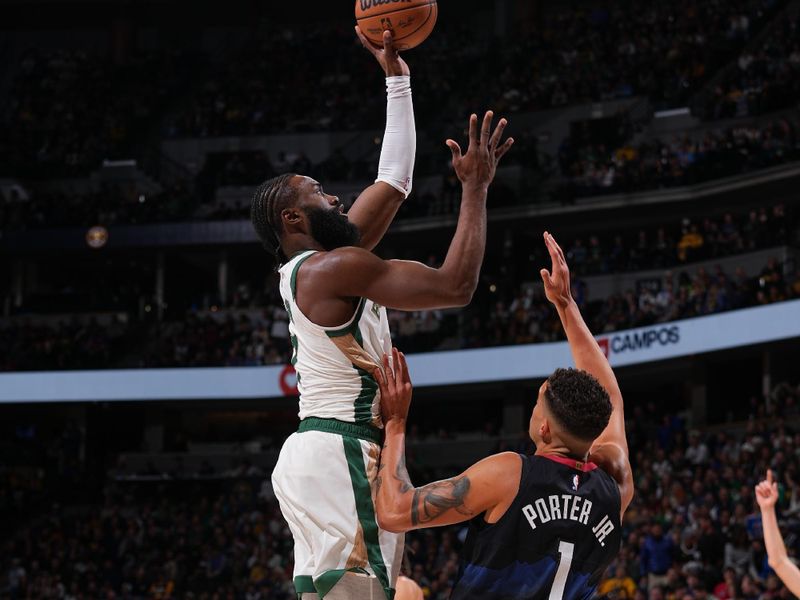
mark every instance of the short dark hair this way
{"type": "Point", "coordinates": [269, 200]}
{"type": "Point", "coordinates": [578, 402]}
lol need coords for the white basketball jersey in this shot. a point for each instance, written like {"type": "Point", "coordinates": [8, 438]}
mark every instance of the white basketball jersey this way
{"type": "Point", "coordinates": [334, 364]}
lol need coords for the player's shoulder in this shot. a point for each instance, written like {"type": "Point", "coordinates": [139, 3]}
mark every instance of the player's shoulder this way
{"type": "Point", "coordinates": [501, 468]}
{"type": "Point", "coordinates": [342, 258]}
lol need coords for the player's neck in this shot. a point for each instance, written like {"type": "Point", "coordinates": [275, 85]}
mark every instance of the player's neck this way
{"type": "Point", "coordinates": [558, 448]}
{"type": "Point", "coordinates": [299, 243]}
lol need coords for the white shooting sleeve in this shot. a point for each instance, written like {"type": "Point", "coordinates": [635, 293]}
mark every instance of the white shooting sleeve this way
{"type": "Point", "coordinates": [399, 149]}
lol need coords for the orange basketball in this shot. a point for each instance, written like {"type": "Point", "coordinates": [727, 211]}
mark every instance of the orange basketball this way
{"type": "Point", "coordinates": [410, 21]}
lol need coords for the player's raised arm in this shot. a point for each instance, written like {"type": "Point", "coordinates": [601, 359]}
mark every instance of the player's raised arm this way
{"type": "Point", "coordinates": [353, 272]}
{"type": "Point", "coordinates": [376, 207]}
{"type": "Point", "coordinates": [488, 485]}
{"type": "Point", "coordinates": [767, 497]}
{"type": "Point", "coordinates": [610, 450]}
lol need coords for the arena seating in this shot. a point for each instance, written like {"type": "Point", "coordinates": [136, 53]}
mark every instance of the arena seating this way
{"type": "Point", "coordinates": [204, 532]}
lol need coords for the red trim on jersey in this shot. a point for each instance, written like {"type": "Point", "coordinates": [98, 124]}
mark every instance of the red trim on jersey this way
{"type": "Point", "coordinates": [584, 467]}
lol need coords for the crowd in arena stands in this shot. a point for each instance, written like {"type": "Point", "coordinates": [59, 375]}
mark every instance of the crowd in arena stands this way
{"type": "Point", "coordinates": [111, 204]}
{"type": "Point", "coordinates": [67, 110]}
{"type": "Point", "coordinates": [692, 532]}
{"type": "Point", "coordinates": [526, 317]}
{"type": "Point", "coordinates": [75, 344]}
{"type": "Point", "coordinates": [678, 244]}
{"type": "Point", "coordinates": [253, 329]}
{"type": "Point", "coordinates": [686, 159]}
{"type": "Point", "coordinates": [517, 315]}
{"type": "Point", "coordinates": [764, 79]}
{"type": "Point", "coordinates": [288, 80]}
{"type": "Point", "coordinates": [232, 341]}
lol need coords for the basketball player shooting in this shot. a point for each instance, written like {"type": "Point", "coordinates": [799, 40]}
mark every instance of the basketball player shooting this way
{"type": "Point", "coordinates": [335, 291]}
{"type": "Point", "coordinates": [544, 526]}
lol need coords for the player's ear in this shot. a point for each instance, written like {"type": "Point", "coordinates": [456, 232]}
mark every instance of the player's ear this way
{"type": "Point", "coordinates": [544, 431]}
{"type": "Point", "coordinates": [292, 217]}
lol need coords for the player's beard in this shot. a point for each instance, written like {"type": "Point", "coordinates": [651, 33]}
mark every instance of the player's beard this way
{"type": "Point", "coordinates": [331, 229]}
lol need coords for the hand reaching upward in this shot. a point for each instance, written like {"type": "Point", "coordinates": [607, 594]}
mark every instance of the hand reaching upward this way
{"type": "Point", "coordinates": [557, 285]}
{"type": "Point", "coordinates": [478, 166]}
{"type": "Point", "coordinates": [767, 492]}
{"type": "Point", "coordinates": [387, 57]}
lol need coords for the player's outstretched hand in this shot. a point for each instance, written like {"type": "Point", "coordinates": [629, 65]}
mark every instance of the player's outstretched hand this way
{"type": "Point", "coordinates": [395, 386]}
{"type": "Point", "coordinates": [767, 492]}
{"type": "Point", "coordinates": [557, 285]}
{"type": "Point", "coordinates": [387, 57]}
{"type": "Point", "coordinates": [479, 164]}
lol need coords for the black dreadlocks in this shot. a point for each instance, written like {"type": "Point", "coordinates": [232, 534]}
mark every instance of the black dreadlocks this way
{"type": "Point", "coordinates": [270, 199]}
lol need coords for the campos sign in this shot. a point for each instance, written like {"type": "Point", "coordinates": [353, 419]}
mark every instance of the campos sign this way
{"type": "Point", "coordinates": [636, 346]}
{"type": "Point", "coordinates": [634, 341]}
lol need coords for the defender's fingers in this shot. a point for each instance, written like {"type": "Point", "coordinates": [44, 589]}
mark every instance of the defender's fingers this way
{"type": "Point", "coordinates": [377, 373]}
{"type": "Point", "coordinates": [473, 129]}
{"type": "Point", "coordinates": [558, 249]}
{"type": "Point", "coordinates": [396, 362]}
{"type": "Point", "coordinates": [770, 478]}
{"type": "Point", "coordinates": [551, 248]}
{"type": "Point", "coordinates": [455, 149]}
{"type": "Point", "coordinates": [498, 133]}
{"type": "Point", "coordinates": [500, 152]}
{"type": "Point", "coordinates": [404, 377]}
{"type": "Point", "coordinates": [486, 128]}
{"type": "Point", "coordinates": [546, 277]}
{"type": "Point", "coordinates": [387, 367]}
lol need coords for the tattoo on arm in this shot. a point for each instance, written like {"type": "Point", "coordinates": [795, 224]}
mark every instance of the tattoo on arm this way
{"type": "Point", "coordinates": [437, 498]}
{"type": "Point", "coordinates": [379, 478]}
{"type": "Point", "coordinates": [401, 475]}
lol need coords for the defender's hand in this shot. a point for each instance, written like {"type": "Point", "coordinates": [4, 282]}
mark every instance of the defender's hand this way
{"type": "Point", "coordinates": [395, 388]}
{"type": "Point", "coordinates": [557, 285]}
{"type": "Point", "coordinates": [767, 492]}
{"type": "Point", "coordinates": [478, 166]}
{"type": "Point", "coordinates": [387, 57]}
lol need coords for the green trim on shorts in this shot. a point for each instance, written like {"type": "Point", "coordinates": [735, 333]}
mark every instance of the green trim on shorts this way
{"type": "Point", "coordinates": [366, 511]}
{"type": "Point", "coordinates": [303, 584]}
{"type": "Point", "coordinates": [368, 433]}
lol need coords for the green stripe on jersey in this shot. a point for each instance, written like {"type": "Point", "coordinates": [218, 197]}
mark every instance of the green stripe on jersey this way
{"type": "Point", "coordinates": [352, 328]}
{"type": "Point", "coordinates": [366, 511]}
{"type": "Point", "coordinates": [295, 269]}
{"type": "Point", "coordinates": [362, 407]}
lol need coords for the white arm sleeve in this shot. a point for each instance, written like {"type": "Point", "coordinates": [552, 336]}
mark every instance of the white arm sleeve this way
{"type": "Point", "coordinates": [399, 149]}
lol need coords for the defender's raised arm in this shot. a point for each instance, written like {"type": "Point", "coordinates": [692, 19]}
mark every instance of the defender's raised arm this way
{"type": "Point", "coordinates": [610, 450]}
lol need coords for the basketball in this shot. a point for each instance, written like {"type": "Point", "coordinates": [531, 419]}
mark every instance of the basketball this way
{"type": "Point", "coordinates": [410, 21]}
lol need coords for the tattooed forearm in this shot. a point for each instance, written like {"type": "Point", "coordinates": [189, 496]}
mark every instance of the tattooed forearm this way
{"type": "Point", "coordinates": [379, 478]}
{"type": "Point", "coordinates": [401, 475]}
{"type": "Point", "coordinates": [437, 498]}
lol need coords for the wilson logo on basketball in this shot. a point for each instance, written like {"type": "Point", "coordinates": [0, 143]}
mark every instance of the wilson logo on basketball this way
{"type": "Point", "coordinates": [367, 4]}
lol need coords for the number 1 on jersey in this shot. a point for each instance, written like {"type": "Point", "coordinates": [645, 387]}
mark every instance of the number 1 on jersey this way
{"type": "Point", "coordinates": [566, 549]}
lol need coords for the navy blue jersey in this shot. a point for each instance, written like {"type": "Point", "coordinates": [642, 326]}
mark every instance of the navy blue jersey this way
{"type": "Point", "coordinates": [553, 543]}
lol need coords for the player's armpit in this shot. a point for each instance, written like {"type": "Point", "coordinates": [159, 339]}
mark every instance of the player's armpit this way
{"type": "Point", "coordinates": [400, 284]}
{"type": "Point", "coordinates": [373, 212]}
{"type": "Point", "coordinates": [613, 459]}
{"type": "Point", "coordinates": [488, 486]}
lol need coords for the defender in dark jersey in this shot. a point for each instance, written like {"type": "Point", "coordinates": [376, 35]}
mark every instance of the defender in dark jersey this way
{"type": "Point", "coordinates": [544, 526]}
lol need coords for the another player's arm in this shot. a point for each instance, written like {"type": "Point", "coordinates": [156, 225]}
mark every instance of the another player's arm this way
{"type": "Point", "coordinates": [399, 505]}
{"type": "Point", "coordinates": [407, 285]}
{"type": "Point", "coordinates": [767, 496]}
{"type": "Point", "coordinates": [610, 450]}
{"type": "Point", "coordinates": [376, 207]}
